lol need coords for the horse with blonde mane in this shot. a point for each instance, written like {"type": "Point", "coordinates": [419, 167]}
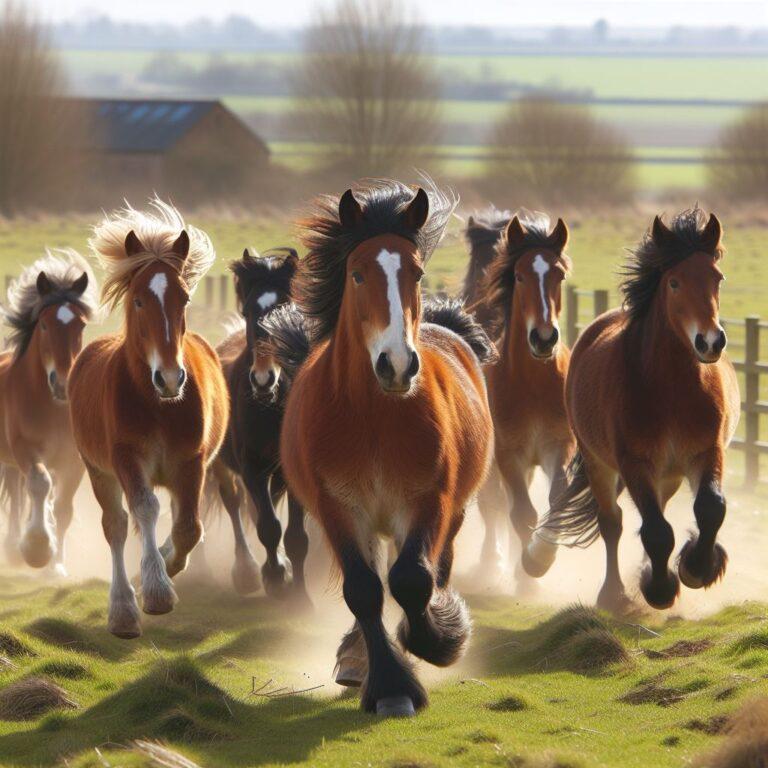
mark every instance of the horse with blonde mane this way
{"type": "Point", "coordinates": [47, 308]}
{"type": "Point", "coordinates": [386, 430]}
{"type": "Point", "coordinates": [149, 404]}
{"type": "Point", "coordinates": [653, 401]}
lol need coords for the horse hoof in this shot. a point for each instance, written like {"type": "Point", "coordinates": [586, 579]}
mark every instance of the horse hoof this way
{"type": "Point", "coordinates": [350, 672]}
{"type": "Point", "coordinates": [159, 600]}
{"type": "Point", "coordinates": [395, 706]}
{"type": "Point", "coordinates": [37, 548]}
{"type": "Point", "coordinates": [716, 569]}
{"type": "Point", "coordinates": [246, 579]}
{"type": "Point", "coordinates": [124, 621]}
{"type": "Point", "coordinates": [274, 580]}
{"type": "Point", "coordinates": [537, 557]}
{"type": "Point", "coordinates": [616, 603]}
{"type": "Point", "coordinates": [659, 594]}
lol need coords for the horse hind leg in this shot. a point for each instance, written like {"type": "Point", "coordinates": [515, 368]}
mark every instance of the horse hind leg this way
{"type": "Point", "coordinates": [296, 544]}
{"type": "Point", "coordinates": [269, 531]}
{"type": "Point", "coordinates": [38, 544]}
{"type": "Point", "coordinates": [13, 484]}
{"type": "Point", "coordinates": [63, 512]}
{"type": "Point", "coordinates": [703, 561]}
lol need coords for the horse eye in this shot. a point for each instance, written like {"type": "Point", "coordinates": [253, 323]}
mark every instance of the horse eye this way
{"type": "Point", "coordinates": [357, 277]}
{"type": "Point", "coordinates": [419, 275]}
{"type": "Point", "coordinates": [674, 284]}
{"type": "Point", "coordinates": [137, 303]}
{"type": "Point", "coordinates": [519, 278]}
{"type": "Point", "coordinates": [44, 326]}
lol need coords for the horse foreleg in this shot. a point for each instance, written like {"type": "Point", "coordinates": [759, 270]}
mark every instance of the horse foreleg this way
{"type": "Point", "coordinates": [38, 544]}
{"type": "Point", "coordinates": [702, 560]}
{"type": "Point", "coordinates": [658, 584]}
{"type": "Point", "coordinates": [187, 529]}
{"type": "Point", "coordinates": [14, 487]}
{"type": "Point", "coordinates": [245, 571]}
{"type": "Point", "coordinates": [490, 503]}
{"type": "Point", "coordinates": [268, 528]}
{"type": "Point", "coordinates": [436, 626]}
{"type": "Point", "coordinates": [296, 548]}
{"type": "Point", "coordinates": [123, 609]}
{"type": "Point", "coordinates": [66, 486]}
{"type": "Point", "coordinates": [157, 593]}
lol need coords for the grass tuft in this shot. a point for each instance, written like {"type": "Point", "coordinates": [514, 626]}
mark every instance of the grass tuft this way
{"type": "Point", "coordinates": [682, 649]}
{"type": "Point", "coordinates": [10, 645]}
{"type": "Point", "coordinates": [29, 698]}
{"type": "Point", "coordinates": [712, 726]}
{"type": "Point", "coordinates": [70, 670]}
{"type": "Point", "coordinates": [509, 704]}
{"type": "Point", "coordinates": [655, 692]}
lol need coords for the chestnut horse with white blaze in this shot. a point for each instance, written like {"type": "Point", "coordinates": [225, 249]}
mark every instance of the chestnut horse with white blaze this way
{"type": "Point", "coordinates": [526, 388]}
{"type": "Point", "coordinates": [654, 401]}
{"type": "Point", "coordinates": [47, 309]}
{"type": "Point", "coordinates": [149, 404]}
{"type": "Point", "coordinates": [386, 431]}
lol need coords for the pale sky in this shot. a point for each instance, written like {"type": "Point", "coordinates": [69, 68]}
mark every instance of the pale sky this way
{"type": "Point", "coordinates": [506, 13]}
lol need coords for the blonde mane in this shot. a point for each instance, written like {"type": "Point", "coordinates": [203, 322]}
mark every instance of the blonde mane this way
{"type": "Point", "coordinates": [157, 229]}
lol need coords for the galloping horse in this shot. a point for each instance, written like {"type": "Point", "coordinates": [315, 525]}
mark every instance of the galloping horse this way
{"type": "Point", "coordinates": [526, 388]}
{"type": "Point", "coordinates": [386, 430]}
{"type": "Point", "coordinates": [258, 389]}
{"type": "Point", "coordinates": [149, 404]}
{"type": "Point", "coordinates": [47, 309]}
{"type": "Point", "coordinates": [653, 401]}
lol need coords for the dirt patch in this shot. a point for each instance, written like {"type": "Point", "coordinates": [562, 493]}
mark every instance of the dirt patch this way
{"type": "Point", "coordinates": [670, 741]}
{"type": "Point", "coordinates": [509, 704]}
{"type": "Point", "coordinates": [483, 737]}
{"type": "Point", "coordinates": [656, 692]}
{"type": "Point", "coordinates": [681, 649]}
{"type": "Point", "coordinates": [32, 697]}
{"type": "Point", "coordinates": [712, 726]}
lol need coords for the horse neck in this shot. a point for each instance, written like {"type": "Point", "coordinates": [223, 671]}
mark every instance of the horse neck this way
{"type": "Point", "coordinates": [515, 353]}
{"type": "Point", "coordinates": [479, 258]}
{"type": "Point", "coordinates": [31, 366]}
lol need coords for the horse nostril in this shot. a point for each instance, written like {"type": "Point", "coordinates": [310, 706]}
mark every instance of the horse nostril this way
{"type": "Point", "coordinates": [252, 379]}
{"type": "Point", "coordinates": [182, 377]}
{"type": "Point", "coordinates": [52, 378]}
{"type": "Point", "coordinates": [413, 367]}
{"type": "Point", "coordinates": [271, 379]}
{"type": "Point", "coordinates": [384, 369]}
{"type": "Point", "coordinates": [534, 338]}
{"type": "Point", "coordinates": [700, 343]}
{"type": "Point", "coordinates": [555, 337]}
{"type": "Point", "coordinates": [720, 342]}
{"type": "Point", "coordinates": [158, 380]}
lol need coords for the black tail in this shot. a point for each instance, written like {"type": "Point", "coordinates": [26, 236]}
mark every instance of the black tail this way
{"type": "Point", "coordinates": [573, 520]}
{"type": "Point", "coordinates": [450, 313]}
{"type": "Point", "coordinates": [288, 335]}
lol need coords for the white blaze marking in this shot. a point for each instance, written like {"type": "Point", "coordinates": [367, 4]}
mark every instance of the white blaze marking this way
{"type": "Point", "coordinates": [541, 267]}
{"type": "Point", "coordinates": [158, 285]}
{"type": "Point", "coordinates": [65, 314]}
{"type": "Point", "coordinates": [392, 339]}
{"type": "Point", "coordinates": [267, 299]}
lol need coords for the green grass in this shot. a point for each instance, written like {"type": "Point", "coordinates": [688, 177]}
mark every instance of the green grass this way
{"type": "Point", "coordinates": [529, 687]}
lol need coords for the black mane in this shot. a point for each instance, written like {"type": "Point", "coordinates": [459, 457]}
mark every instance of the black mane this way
{"type": "Point", "coordinates": [500, 276]}
{"type": "Point", "coordinates": [450, 313]}
{"type": "Point", "coordinates": [287, 337]}
{"type": "Point", "coordinates": [647, 263]}
{"type": "Point", "coordinates": [319, 283]}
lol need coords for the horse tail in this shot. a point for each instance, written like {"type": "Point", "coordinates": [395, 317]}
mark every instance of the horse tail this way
{"type": "Point", "coordinates": [450, 313]}
{"type": "Point", "coordinates": [573, 518]}
{"type": "Point", "coordinates": [211, 506]}
{"type": "Point", "coordinates": [288, 334]}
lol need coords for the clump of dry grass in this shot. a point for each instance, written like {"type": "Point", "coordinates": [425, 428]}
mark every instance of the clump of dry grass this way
{"type": "Point", "coordinates": [682, 649]}
{"type": "Point", "coordinates": [162, 757]}
{"type": "Point", "coordinates": [29, 698]}
{"type": "Point", "coordinates": [10, 645]}
{"type": "Point", "coordinates": [746, 741]}
{"type": "Point", "coordinates": [654, 691]}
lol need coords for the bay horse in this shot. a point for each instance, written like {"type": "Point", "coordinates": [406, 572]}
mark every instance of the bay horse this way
{"type": "Point", "coordinates": [522, 294]}
{"type": "Point", "coordinates": [149, 404]}
{"type": "Point", "coordinates": [386, 430]}
{"type": "Point", "coordinates": [47, 308]}
{"type": "Point", "coordinates": [258, 388]}
{"type": "Point", "coordinates": [653, 401]}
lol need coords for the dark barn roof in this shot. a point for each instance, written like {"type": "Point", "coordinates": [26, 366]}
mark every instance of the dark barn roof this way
{"type": "Point", "coordinates": [147, 125]}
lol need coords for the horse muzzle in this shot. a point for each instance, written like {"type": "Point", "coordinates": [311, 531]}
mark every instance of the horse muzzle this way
{"type": "Point", "coordinates": [169, 383]}
{"type": "Point", "coordinates": [264, 384]}
{"type": "Point", "coordinates": [709, 348]}
{"type": "Point", "coordinates": [541, 345]}
{"type": "Point", "coordinates": [58, 387]}
{"type": "Point", "coordinates": [387, 375]}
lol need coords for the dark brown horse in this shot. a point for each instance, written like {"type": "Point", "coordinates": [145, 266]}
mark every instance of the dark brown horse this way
{"type": "Point", "coordinates": [47, 309]}
{"type": "Point", "coordinates": [149, 404]}
{"type": "Point", "coordinates": [386, 431]}
{"type": "Point", "coordinates": [653, 401]}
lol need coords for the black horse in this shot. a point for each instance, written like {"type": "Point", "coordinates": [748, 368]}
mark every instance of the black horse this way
{"type": "Point", "coordinates": [251, 451]}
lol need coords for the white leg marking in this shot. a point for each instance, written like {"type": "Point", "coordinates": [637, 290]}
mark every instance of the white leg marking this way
{"type": "Point", "coordinates": [541, 267]}
{"type": "Point", "coordinates": [158, 285]}
{"type": "Point", "coordinates": [65, 314]}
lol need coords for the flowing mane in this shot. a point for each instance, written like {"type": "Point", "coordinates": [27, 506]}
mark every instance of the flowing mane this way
{"type": "Point", "coordinates": [24, 303]}
{"type": "Point", "coordinates": [157, 230]}
{"type": "Point", "coordinates": [500, 275]}
{"type": "Point", "coordinates": [647, 262]}
{"type": "Point", "coordinates": [319, 283]}
{"type": "Point", "coordinates": [484, 228]}
{"type": "Point", "coordinates": [274, 267]}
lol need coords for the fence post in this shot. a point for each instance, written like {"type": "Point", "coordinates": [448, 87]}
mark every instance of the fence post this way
{"type": "Point", "coordinates": [751, 396]}
{"type": "Point", "coordinates": [209, 292]}
{"type": "Point", "coordinates": [600, 301]}
{"type": "Point", "coordinates": [571, 314]}
{"type": "Point", "coordinates": [223, 291]}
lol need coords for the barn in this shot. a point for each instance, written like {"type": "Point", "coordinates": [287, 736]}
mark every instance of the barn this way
{"type": "Point", "coordinates": [192, 150]}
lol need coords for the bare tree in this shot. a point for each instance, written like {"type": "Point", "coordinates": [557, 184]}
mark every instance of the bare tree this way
{"type": "Point", "coordinates": [38, 130]}
{"type": "Point", "coordinates": [365, 89]}
{"type": "Point", "coordinates": [738, 167]}
{"type": "Point", "coordinates": [545, 151]}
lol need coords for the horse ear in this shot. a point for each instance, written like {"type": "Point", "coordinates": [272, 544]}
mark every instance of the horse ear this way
{"type": "Point", "coordinates": [662, 235]}
{"type": "Point", "coordinates": [181, 247]}
{"type": "Point", "coordinates": [133, 245]}
{"type": "Point", "coordinates": [350, 212]}
{"type": "Point", "coordinates": [79, 286]}
{"type": "Point", "coordinates": [470, 221]}
{"type": "Point", "coordinates": [44, 286]}
{"type": "Point", "coordinates": [292, 259]}
{"type": "Point", "coordinates": [515, 233]}
{"type": "Point", "coordinates": [712, 234]}
{"type": "Point", "coordinates": [246, 254]}
{"type": "Point", "coordinates": [559, 236]}
{"type": "Point", "coordinates": [416, 214]}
